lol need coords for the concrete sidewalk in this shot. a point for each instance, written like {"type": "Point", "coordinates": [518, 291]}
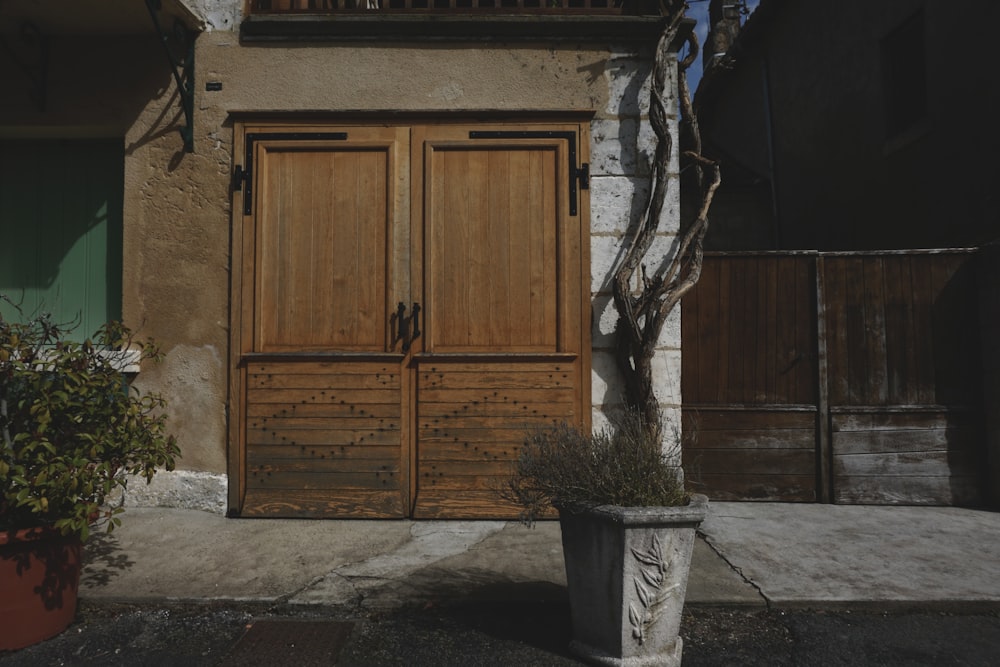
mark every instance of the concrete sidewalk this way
{"type": "Point", "coordinates": [751, 554]}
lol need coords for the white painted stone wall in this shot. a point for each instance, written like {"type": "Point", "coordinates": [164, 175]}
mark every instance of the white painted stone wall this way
{"type": "Point", "coordinates": [622, 146]}
{"type": "Point", "coordinates": [215, 14]}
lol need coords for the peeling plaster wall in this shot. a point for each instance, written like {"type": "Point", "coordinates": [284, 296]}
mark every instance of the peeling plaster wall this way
{"type": "Point", "coordinates": [189, 378]}
{"type": "Point", "coordinates": [176, 275]}
{"type": "Point", "coordinates": [177, 204]}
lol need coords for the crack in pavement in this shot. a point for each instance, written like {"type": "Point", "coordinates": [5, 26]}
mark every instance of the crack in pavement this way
{"type": "Point", "coordinates": [347, 600]}
{"type": "Point", "coordinates": [734, 568]}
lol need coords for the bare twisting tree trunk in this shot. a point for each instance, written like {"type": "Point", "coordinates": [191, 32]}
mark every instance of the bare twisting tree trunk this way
{"type": "Point", "coordinates": [644, 299]}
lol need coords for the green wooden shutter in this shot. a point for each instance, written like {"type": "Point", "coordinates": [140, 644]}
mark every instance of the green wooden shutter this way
{"type": "Point", "coordinates": [61, 230]}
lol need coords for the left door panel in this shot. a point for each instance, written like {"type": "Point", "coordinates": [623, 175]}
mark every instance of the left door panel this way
{"type": "Point", "coordinates": [320, 381]}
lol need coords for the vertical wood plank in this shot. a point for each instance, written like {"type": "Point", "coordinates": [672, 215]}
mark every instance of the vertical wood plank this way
{"type": "Point", "coordinates": [724, 315]}
{"type": "Point", "coordinates": [748, 292]}
{"type": "Point", "coordinates": [834, 284]}
{"type": "Point", "coordinates": [757, 294]}
{"type": "Point", "coordinates": [372, 248]}
{"type": "Point", "coordinates": [824, 449]}
{"type": "Point", "coordinates": [521, 240]}
{"type": "Point", "coordinates": [450, 305]}
{"type": "Point", "coordinates": [875, 331]}
{"type": "Point", "coordinates": [548, 217]}
{"type": "Point", "coordinates": [502, 312]}
{"type": "Point", "coordinates": [810, 332]}
{"type": "Point", "coordinates": [773, 325]}
{"type": "Point", "coordinates": [898, 329]}
{"type": "Point", "coordinates": [477, 251]}
{"type": "Point", "coordinates": [708, 332]}
{"type": "Point", "coordinates": [856, 336]}
{"type": "Point", "coordinates": [691, 337]}
{"type": "Point", "coordinates": [787, 313]}
{"type": "Point", "coordinates": [923, 302]}
{"type": "Point", "coordinates": [736, 333]}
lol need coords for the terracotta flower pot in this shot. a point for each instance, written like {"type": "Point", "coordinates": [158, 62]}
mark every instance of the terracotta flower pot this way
{"type": "Point", "coordinates": [39, 578]}
{"type": "Point", "coordinates": [627, 570]}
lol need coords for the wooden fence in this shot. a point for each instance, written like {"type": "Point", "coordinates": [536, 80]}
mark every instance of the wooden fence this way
{"type": "Point", "coordinates": [835, 377]}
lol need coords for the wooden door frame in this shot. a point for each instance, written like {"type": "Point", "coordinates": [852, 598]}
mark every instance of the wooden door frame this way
{"type": "Point", "coordinates": [242, 248]}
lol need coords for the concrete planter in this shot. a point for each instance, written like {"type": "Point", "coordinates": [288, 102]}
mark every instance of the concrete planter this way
{"type": "Point", "coordinates": [627, 571]}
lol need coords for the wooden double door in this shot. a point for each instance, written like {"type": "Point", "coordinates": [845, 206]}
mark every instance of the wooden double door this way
{"type": "Point", "coordinates": [408, 301]}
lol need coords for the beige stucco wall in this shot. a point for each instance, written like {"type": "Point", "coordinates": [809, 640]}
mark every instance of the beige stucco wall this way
{"type": "Point", "coordinates": [176, 225]}
{"type": "Point", "coordinates": [177, 204]}
{"type": "Point", "coordinates": [425, 77]}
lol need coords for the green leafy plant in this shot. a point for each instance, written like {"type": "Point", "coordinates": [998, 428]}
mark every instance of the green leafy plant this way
{"type": "Point", "coordinates": [72, 428]}
{"type": "Point", "coordinates": [624, 464]}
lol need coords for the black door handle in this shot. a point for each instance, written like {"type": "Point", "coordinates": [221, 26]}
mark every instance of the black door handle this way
{"type": "Point", "coordinates": [416, 320]}
{"type": "Point", "coordinates": [401, 324]}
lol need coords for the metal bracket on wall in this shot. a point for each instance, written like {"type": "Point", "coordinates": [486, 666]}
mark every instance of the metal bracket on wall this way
{"type": "Point", "coordinates": [38, 72]}
{"type": "Point", "coordinates": [182, 67]}
{"type": "Point", "coordinates": [578, 176]}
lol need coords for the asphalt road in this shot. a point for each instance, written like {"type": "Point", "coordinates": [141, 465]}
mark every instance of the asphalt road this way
{"type": "Point", "coordinates": [498, 633]}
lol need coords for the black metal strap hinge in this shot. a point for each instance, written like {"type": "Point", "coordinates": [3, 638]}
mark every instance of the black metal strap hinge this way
{"type": "Point", "coordinates": [243, 175]}
{"type": "Point", "coordinates": [182, 67]}
{"type": "Point", "coordinates": [583, 173]}
{"type": "Point", "coordinates": [239, 176]}
{"type": "Point", "coordinates": [579, 177]}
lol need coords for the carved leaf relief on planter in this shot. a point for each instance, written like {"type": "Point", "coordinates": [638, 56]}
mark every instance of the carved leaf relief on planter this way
{"type": "Point", "coordinates": [649, 589]}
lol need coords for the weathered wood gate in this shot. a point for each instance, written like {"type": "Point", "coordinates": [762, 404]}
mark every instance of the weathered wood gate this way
{"type": "Point", "coordinates": [835, 377]}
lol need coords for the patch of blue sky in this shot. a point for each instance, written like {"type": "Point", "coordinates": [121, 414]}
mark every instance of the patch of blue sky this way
{"type": "Point", "coordinates": [698, 10]}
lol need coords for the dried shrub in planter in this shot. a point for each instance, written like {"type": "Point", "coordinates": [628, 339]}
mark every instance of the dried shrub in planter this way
{"type": "Point", "coordinates": [625, 465]}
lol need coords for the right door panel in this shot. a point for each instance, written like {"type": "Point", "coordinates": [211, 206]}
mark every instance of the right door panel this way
{"type": "Point", "coordinates": [501, 275]}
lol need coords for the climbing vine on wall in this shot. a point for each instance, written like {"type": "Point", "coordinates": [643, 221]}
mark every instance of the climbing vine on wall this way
{"type": "Point", "coordinates": [647, 288]}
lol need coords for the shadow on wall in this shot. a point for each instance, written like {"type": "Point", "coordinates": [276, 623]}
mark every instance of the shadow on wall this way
{"type": "Point", "coordinates": [988, 272]}
{"type": "Point", "coordinates": [959, 369]}
{"type": "Point", "coordinates": [61, 223]}
{"type": "Point", "coordinates": [63, 166]}
{"type": "Point", "coordinates": [95, 86]}
{"type": "Point", "coordinates": [88, 176]}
